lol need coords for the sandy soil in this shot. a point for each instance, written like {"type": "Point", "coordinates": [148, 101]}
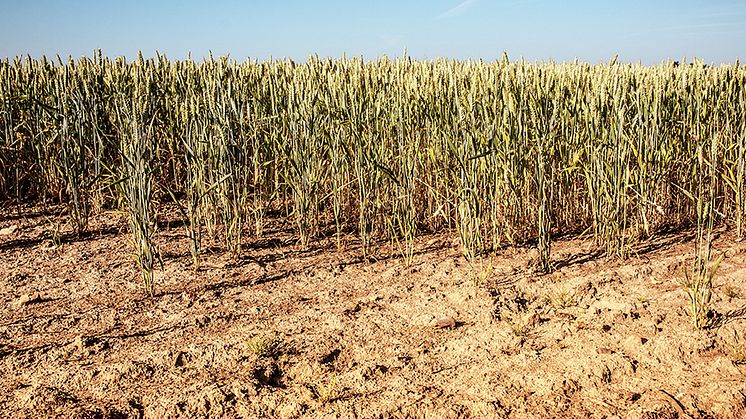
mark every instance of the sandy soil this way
{"type": "Point", "coordinates": [286, 331]}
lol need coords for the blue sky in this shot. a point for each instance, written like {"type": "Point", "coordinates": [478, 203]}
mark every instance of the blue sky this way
{"type": "Point", "coordinates": [638, 30]}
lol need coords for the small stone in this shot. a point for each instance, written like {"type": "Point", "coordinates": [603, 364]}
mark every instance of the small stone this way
{"type": "Point", "coordinates": [633, 342]}
{"type": "Point", "coordinates": [28, 299]}
{"type": "Point", "coordinates": [8, 230]}
{"type": "Point", "coordinates": [445, 322]}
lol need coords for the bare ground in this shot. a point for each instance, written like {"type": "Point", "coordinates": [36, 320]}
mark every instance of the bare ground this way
{"type": "Point", "coordinates": [286, 331]}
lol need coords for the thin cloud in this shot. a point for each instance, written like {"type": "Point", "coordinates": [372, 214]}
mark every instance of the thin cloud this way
{"type": "Point", "coordinates": [457, 10]}
{"type": "Point", "coordinates": [466, 4]}
{"type": "Point", "coordinates": [734, 13]}
{"type": "Point", "coordinates": [703, 26]}
{"type": "Point", "coordinates": [391, 40]}
{"type": "Point", "coordinates": [694, 29]}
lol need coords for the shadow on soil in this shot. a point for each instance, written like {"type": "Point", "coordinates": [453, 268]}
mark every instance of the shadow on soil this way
{"type": "Point", "coordinates": [67, 238]}
{"type": "Point", "coordinates": [721, 319]}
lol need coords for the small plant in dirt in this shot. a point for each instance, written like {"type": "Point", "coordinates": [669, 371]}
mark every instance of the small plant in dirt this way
{"type": "Point", "coordinates": [738, 355]}
{"type": "Point", "coordinates": [480, 272]}
{"type": "Point", "coordinates": [642, 299]}
{"type": "Point", "coordinates": [737, 350]}
{"type": "Point", "coordinates": [561, 299]}
{"type": "Point", "coordinates": [698, 281]}
{"type": "Point", "coordinates": [698, 288]}
{"type": "Point", "coordinates": [731, 292]}
{"type": "Point", "coordinates": [521, 326]}
{"type": "Point", "coordinates": [55, 232]}
{"type": "Point", "coordinates": [264, 345]}
{"type": "Point", "coordinates": [326, 391]}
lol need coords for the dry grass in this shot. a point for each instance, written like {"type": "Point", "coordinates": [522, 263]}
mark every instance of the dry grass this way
{"type": "Point", "coordinates": [264, 346]}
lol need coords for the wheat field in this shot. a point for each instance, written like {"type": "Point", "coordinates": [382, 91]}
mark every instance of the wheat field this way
{"type": "Point", "coordinates": [502, 152]}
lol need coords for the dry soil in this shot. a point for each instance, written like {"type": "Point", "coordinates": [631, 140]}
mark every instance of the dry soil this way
{"type": "Point", "coordinates": [290, 331]}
